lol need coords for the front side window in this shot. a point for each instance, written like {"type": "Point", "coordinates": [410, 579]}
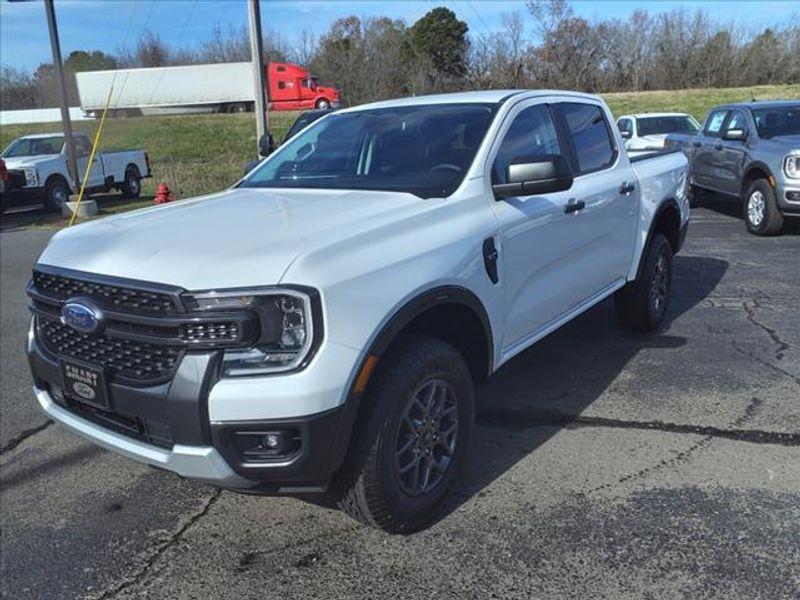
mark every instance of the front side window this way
{"type": "Point", "coordinates": [590, 135]}
{"type": "Point", "coordinates": [667, 124]}
{"type": "Point", "coordinates": [424, 150]}
{"type": "Point", "coordinates": [715, 121]}
{"type": "Point", "coordinates": [777, 121]}
{"type": "Point", "coordinates": [532, 135]}
{"type": "Point", "coordinates": [34, 146]}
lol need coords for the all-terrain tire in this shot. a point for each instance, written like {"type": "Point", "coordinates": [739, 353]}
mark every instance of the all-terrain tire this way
{"type": "Point", "coordinates": [760, 207]}
{"type": "Point", "coordinates": [371, 486]}
{"type": "Point", "coordinates": [642, 304]}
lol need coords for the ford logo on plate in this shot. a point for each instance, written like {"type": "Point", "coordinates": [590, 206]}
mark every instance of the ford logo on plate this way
{"type": "Point", "coordinates": [82, 316]}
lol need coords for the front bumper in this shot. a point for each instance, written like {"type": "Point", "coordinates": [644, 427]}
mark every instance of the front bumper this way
{"type": "Point", "coordinates": [788, 195]}
{"type": "Point", "coordinates": [168, 426]}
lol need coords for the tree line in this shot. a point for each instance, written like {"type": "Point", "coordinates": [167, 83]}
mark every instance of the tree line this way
{"type": "Point", "coordinates": [547, 46]}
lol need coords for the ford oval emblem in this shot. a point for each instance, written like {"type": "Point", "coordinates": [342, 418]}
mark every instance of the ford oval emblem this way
{"type": "Point", "coordinates": [82, 316]}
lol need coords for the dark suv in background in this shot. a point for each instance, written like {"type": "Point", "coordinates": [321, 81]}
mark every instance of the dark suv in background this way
{"type": "Point", "coordinates": [750, 150]}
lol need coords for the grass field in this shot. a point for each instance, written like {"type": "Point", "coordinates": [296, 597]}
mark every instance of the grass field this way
{"type": "Point", "coordinates": [197, 154]}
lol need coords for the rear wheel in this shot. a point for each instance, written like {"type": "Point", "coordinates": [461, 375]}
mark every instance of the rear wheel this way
{"type": "Point", "coordinates": [323, 104]}
{"type": "Point", "coordinates": [132, 185]}
{"type": "Point", "coordinates": [411, 439]}
{"type": "Point", "coordinates": [761, 213]}
{"type": "Point", "coordinates": [642, 304]}
{"type": "Point", "coordinates": [56, 194]}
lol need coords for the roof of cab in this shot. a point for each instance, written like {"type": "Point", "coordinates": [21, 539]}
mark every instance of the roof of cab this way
{"type": "Point", "coordinates": [761, 104]}
{"type": "Point", "coordinates": [476, 97]}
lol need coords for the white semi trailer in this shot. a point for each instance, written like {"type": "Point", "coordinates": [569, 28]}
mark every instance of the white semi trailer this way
{"type": "Point", "coordinates": [224, 87]}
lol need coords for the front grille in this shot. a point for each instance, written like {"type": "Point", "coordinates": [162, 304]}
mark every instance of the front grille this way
{"type": "Point", "coordinates": [210, 332]}
{"type": "Point", "coordinates": [121, 298]}
{"type": "Point", "coordinates": [124, 359]}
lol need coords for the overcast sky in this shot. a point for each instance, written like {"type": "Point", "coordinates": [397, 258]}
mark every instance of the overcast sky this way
{"type": "Point", "coordinates": [106, 25]}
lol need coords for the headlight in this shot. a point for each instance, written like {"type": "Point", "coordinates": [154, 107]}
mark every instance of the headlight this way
{"type": "Point", "coordinates": [286, 330]}
{"type": "Point", "coordinates": [791, 166]}
{"type": "Point", "coordinates": [31, 178]}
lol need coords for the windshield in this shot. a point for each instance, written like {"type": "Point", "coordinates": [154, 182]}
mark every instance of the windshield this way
{"type": "Point", "coordinates": [662, 125]}
{"type": "Point", "coordinates": [423, 150]}
{"type": "Point", "coordinates": [777, 121]}
{"type": "Point", "coordinates": [34, 146]}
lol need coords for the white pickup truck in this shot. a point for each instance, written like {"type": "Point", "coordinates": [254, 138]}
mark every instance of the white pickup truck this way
{"type": "Point", "coordinates": [320, 326]}
{"type": "Point", "coordinates": [38, 173]}
{"type": "Point", "coordinates": [647, 132]}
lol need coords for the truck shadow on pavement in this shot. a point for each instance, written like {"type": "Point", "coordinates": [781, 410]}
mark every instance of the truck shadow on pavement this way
{"type": "Point", "coordinates": [544, 389]}
{"type": "Point", "coordinates": [729, 206]}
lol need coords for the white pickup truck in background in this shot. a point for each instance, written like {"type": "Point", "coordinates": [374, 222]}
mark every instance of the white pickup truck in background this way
{"type": "Point", "coordinates": [647, 132]}
{"type": "Point", "coordinates": [38, 174]}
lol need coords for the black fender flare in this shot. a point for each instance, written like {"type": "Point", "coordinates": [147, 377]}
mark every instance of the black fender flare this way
{"type": "Point", "coordinates": [756, 164]}
{"type": "Point", "coordinates": [448, 294]}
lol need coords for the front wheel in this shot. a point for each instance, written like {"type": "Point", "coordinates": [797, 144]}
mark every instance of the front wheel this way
{"type": "Point", "coordinates": [642, 304]}
{"type": "Point", "coordinates": [761, 213]}
{"type": "Point", "coordinates": [411, 439]}
{"type": "Point", "coordinates": [323, 104]}
{"type": "Point", "coordinates": [56, 194]}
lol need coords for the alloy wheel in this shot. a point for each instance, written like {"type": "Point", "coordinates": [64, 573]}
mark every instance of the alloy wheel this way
{"type": "Point", "coordinates": [427, 437]}
{"type": "Point", "coordinates": [755, 208]}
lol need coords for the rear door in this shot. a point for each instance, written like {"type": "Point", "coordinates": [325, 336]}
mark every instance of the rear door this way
{"type": "Point", "coordinates": [705, 149]}
{"type": "Point", "coordinates": [606, 183]}
{"type": "Point", "coordinates": [83, 149]}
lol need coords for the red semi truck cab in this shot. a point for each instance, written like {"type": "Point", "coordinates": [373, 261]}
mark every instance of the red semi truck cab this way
{"type": "Point", "coordinates": [291, 87]}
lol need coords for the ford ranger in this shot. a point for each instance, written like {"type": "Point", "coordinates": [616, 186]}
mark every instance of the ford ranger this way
{"type": "Point", "coordinates": [40, 165]}
{"type": "Point", "coordinates": [320, 326]}
{"type": "Point", "coordinates": [750, 151]}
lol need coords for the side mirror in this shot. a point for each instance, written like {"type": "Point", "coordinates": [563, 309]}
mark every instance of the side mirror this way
{"type": "Point", "coordinates": [266, 145]}
{"type": "Point", "coordinates": [251, 165]}
{"type": "Point", "coordinates": [626, 134]}
{"type": "Point", "coordinates": [544, 175]}
{"type": "Point", "coordinates": [736, 135]}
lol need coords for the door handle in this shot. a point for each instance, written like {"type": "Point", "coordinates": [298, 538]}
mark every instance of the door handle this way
{"type": "Point", "coordinates": [574, 206]}
{"type": "Point", "coordinates": [696, 144]}
{"type": "Point", "coordinates": [626, 188]}
{"type": "Point", "coordinates": [718, 147]}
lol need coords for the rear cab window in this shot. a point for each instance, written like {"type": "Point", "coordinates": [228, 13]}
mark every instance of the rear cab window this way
{"type": "Point", "coordinates": [590, 136]}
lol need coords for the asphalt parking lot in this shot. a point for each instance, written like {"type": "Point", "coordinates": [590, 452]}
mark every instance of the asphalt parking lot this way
{"type": "Point", "coordinates": [605, 465]}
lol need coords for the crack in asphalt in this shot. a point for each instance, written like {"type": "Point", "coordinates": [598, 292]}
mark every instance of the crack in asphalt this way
{"type": "Point", "coordinates": [523, 418]}
{"type": "Point", "coordinates": [772, 333]}
{"type": "Point", "coordinates": [162, 548]}
{"type": "Point", "coordinates": [24, 436]}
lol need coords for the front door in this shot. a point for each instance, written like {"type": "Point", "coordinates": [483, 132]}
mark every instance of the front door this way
{"type": "Point", "coordinates": [730, 157]}
{"type": "Point", "coordinates": [705, 151]}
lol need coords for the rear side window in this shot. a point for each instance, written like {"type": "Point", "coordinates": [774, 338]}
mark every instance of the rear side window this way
{"type": "Point", "coordinates": [714, 124]}
{"type": "Point", "coordinates": [532, 135]}
{"type": "Point", "coordinates": [590, 136]}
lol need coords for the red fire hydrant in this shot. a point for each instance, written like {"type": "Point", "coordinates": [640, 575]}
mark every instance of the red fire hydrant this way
{"type": "Point", "coordinates": [163, 194]}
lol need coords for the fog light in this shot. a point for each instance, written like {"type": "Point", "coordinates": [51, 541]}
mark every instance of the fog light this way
{"type": "Point", "coordinates": [260, 446]}
{"type": "Point", "coordinates": [793, 196]}
{"type": "Point", "coordinates": [272, 441]}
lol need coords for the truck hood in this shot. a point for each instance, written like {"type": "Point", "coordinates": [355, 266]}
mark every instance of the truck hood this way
{"type": "Point", "coordinates": [783, 143]}
{"type": "Point", "coordinates": [241, 237]}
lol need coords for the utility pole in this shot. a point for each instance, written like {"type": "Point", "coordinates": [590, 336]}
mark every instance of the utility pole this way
{"type": "Point", "coordinates": [72, 164]}
{"type": "Point", "coordinates": [259, 79]}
